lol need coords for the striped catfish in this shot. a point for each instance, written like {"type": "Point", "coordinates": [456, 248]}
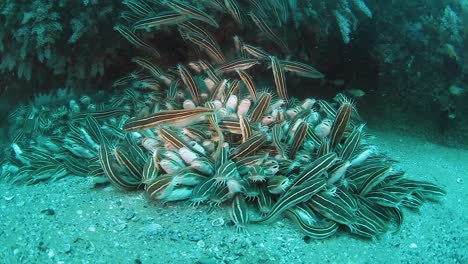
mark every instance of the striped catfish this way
{"type": "Point", "coordinates": [160, 20]}
{"type": "Point", "coordinates": [135, 40]}
{"type": "Point", "coordinates": [237, 65]}
{"type": "Point", "coordinates": [280, 79]}
{"type": "Point", "coordinates": [121, 181]}
{"type": "Point", "coordinates": [192, 12]}
{"type": "Point", "coordinates": [177, 141]}
{"type": "Point", "coordinates": [212, 49]}
{"type": "Point", "coordinates": [339, 125]}
{"type": "Point", "coordinates": [298, 139]}
{"type": "Point", "coordinates": [249, 83]}
{"type": "Point", "coordinates": [176, 118]}
{"type": "Point", "coordinates": [294, 196]}
{"type": "Point", "coordinates": [245, 128]}
{"type": "Point", "coordinates": [277, 137]}
{"type": "Point", "coordinates": [233, 9]}
{"type": "Point", "coordinates": [301, 69]}
{"type": "Point", "coordinates": [189, 82]}
{"type": "Point", "coordinates": [315, 169]}
{"type": "Point", "coordinates": [150, 170]}
{"type": "Point", "coordinates": [333, 208]}
{"type": "Point", "coordinates": [148, 65]}
{"type": "Point", "coordinates": [239, 213]}
{"type": "Point", "coordinates": [123, 158]}
{"type": "Point", "coordinates": [263, 26]}
{"type": "Point", "coordinates": [260, 107]}
{"type": "Point", "coordinates": [309, 224]}
{"type": "Point", "coordinates": [249, 147]}
{"type": "Point", "coordinates": [256, 52]}
{"type": "Point", "coordinates": [351, 143]}
{"type": "Point", "coordinates": [191, 28]}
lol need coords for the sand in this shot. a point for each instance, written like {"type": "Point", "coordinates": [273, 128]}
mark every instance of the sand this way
{"type": "Point", "coordinates": [68, 222]}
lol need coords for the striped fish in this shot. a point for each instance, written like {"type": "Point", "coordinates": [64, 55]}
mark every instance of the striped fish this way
{"type": "Point", "coordinates": [240, 64]}
{"type": "Point", "coordinates": [160, 20]}
{"type": "Point", "coordinates": [76, 166]}
{"type": "Point", "coordinates": [260, 107]}
{"type": "Point", "coordinates": [230, 126]}
{"type": "Point", "coordinates": [301, 69]}
{"type": "Point", "coordinates": [140, 8]}
{"type": "Point", "coordinates": [218, 91]}
{"type": "Point", "coordinates": [219, 195]}
{"type": "Point", "coordinates": [277, 184]}
{"type": "Point", "coordinates": [234, 10]}
{"type": "Point", "coordinates": [332, 208]}
{"type": "Point", "coordinates": [358, 176]}
{"type": "Point", "coordinates": [256, 52]}
{"type": "Point", "coordinates": [373, 180]}
{"type": "Point", "coordinates": [148, 65]}
{"type": "Point", "coordinates": [222, 156]}
{"type": "Point", "coordinates": [249, 83]}
{"type": "Point", "coordinates": [259, 7]}
{"type": "Point", "coordinates": [250, 146]}
{"type": "Point", "coordinates": [188, 80]}
{"type": "Point", "coordinates": [383, 198]}
{"type": "Point", "coordinates": [210, 70]}
{"type": "Point", "coordinates": [135, 40]}
{"type": "Point", "coordinates": [95, 129]}
{"type": "Point", "coordinates": [192, 12]}
{"type": "Point", "coordinates": [212, 49]}
{"type": "Point", "coordinates": [351, 143]}
{"type": "Point", "coordinates": [191, 28]}
{"type": "Point", "coordinates": [102, 114]}
{"type": "Point", "coordinates": [239, 213]}
{"type": "Point", "coordinates": [176, 118]}
{"type": "Point", "coordinates": [160, 187]}
{"type": "Point", "coordinates": [136, 153]}
{"type": "Point", "coordinates": [112, 173]}
{"type": "Point", "coordinates": [264, 201]}
{"type": "Point", "coordinates": [280, 79]}
{"type": "Point", "coordinates": [195, 133]}
{"type": "Point", "coordinates": [427, 189]}
{"type": "Point", "coordinates": [374, 215]}
{"type": "Point", "coordinates": [133, 167]}
{"type": "Point", "coordinates": [227, 171]}
{"type": "Point", "coordinates": [309, 225]}
{"type": "Point", "coordinates": [150, 171]}
{"type": "Point", "coordinates": [294, 196]}
{"type": "Point", "coordinates": [178, 142]}
{"type": "Point", "coordinates": [202, 192]}
{"type": "Point", "coordinates": [244, 163]}
{"type": "Point", "coordinates": [298, 139]}
{"type": "Point", "coordinates": [232, 89]}
{"type": "Point", "coordinates": [328, 109]}
{"type": "Point", "coordinates": [263, 26]}
{"type": "Point", "coordinates": [277, 136]}
{"type": "Point", "coordinates": [245, 128]}
{"type": "Point", "coordinates": [339, 125]}
{"type": "Point", "coordinates": [238, 45]}
{"type": "Point", "coordinates": [365, 228]}
{"type": "Point", "coordinates": [315, 169]}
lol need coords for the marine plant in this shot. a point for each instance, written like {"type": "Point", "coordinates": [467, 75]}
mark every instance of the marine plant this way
{"type": "Point", "coordinates": [214, 124]}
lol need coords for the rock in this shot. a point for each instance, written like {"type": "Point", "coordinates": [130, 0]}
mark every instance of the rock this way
{"type": "Point", "coordinates": [48, 211]}
{"type": "Point", "coordinates": [152, 229]}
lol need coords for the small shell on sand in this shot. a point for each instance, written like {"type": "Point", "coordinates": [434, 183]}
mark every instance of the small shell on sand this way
{"type": "Point", "coordinates": [217, 222]}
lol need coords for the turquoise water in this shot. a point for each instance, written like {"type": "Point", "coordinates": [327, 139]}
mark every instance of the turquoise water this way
{"type": "Point", "coordinates": [232, 131]}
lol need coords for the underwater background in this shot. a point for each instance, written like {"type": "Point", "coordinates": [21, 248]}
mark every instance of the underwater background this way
{"type": "Point", "coordinates": [233, 131]}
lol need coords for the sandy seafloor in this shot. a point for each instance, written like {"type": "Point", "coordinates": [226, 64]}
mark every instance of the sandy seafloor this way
{"type": "Point", "coordinates": [110, 226]}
